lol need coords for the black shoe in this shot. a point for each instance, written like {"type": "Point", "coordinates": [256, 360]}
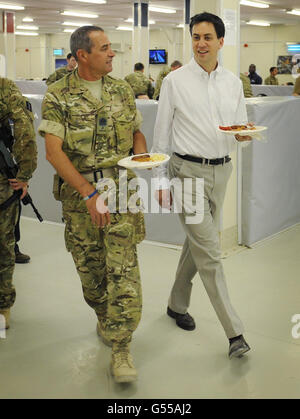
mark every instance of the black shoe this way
{"type": "Point", "coordinates": [21, 258]}
{"type": "Point", "coordinates": [238, 348]}
{"type": "Point", "coordinates": [185, 321]}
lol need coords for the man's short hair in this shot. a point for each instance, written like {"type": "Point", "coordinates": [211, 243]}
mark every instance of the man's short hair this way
{"type": "Point", "coordinates": [69, 55]}
{"type": "Point", "coordinates": [176, 63]}
{"type": "Point", "coordinates": [80, 39]}
{"type": "Point", "coordinates": [138, 67]}
{"type": "Point", "coordinates": [209, 17]}
{"type": "Point", "coordinates": [272, 69]}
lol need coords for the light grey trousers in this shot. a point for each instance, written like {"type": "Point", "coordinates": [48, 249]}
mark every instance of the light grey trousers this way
{"type": "Point", "coordinates": [201, 251]}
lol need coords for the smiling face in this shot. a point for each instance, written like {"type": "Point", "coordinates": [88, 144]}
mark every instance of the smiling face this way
{"type": "Point", "coordinates": [206, 45]}
{"type": "Point", "coordinates": [98, 62]}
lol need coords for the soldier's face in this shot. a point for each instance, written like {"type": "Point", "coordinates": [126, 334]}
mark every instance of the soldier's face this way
{"type": "Point", "coordinates": [206, 44]}
{"type": "Point", "coordinates": [99, 60]}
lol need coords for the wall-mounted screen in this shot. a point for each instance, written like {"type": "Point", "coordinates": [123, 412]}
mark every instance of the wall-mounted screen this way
{"type": "Point", "coordinates": [158, 56]}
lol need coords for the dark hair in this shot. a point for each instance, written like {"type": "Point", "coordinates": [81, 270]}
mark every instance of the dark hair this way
{"type": "Point", "coordinates": [209, 17]}
{"type": "Point", "coordinates": [69, 55]}
{"type": "Point", "coordinates": [80, 39]}
{"type": "Point", "coordinates": [176, 63]}
{"type": "Point", "coordinates": [138, 67]}
{"type": "Point", "coordinates": [272, 69]}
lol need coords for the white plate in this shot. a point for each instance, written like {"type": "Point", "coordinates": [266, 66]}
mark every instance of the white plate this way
{"type": "Point", "coordinates": [244, 131]}
{"type": "Point", "coordinates": [132, 164]}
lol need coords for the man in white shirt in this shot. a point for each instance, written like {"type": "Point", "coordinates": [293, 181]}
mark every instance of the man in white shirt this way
{"type": "Point", "coordinates": [194, 101]}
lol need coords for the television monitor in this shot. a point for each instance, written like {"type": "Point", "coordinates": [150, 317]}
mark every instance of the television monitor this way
{"type": "Point", "coordinates": [58, 52]}
{"type": "Point", "coordinates": [157, 56]}
{"type": "Point", "coordinates": [60, 62]}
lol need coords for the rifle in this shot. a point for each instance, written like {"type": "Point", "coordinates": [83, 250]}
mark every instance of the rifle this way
{"type": "Point", "coordinates": [9, 169]}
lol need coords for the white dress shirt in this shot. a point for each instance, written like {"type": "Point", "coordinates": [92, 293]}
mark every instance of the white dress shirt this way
{"type": "Point", "coordinates": [192, 105]}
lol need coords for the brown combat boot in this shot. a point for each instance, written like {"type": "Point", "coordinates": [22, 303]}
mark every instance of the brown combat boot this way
{"type": "Point", "coordinates": [100, 333]}
{"type": "Point", "coordinates": [122, 367]}
{"type": "Point", "coordinates": [6, 314]}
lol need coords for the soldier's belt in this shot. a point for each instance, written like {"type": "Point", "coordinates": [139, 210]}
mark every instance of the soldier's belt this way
{"type": "Point", "coordinates": [99, 174]}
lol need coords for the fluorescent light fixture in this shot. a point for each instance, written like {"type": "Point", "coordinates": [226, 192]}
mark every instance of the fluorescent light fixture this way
{"type": "Point", "coordinates": [130, 20]}
{"type": "Point", "coordinates": [294, 12]}
{"type": "Point", "coordinates": [124, 28]}
{"type": "Point", "coordinates": [181, 25]}
{"type": "Point", "coordinates": [92, 1]}
{"type": "Point", "coordinates": [293, 47]}
{"type": "Point", "coordinates": [257, 23]}
{"type": "Point", "coordinates": [31, 28]}
{"type": "Point", "coordinates": [27, 33]}
{"type": "Point", "coordinates": [161, 9]}
{"type": "Point", "coordinates": [79, 14]}
{"type": "Point", "coordinates": [254, 4]}
{"type": "Point", "coordinates": [11, 7]}
{"type": "Point", "coordinates": [69, 30]}
{"type": "Point", "coordinates": [76, 24]}
{"type": "Point", "coordinates": [27, 19]}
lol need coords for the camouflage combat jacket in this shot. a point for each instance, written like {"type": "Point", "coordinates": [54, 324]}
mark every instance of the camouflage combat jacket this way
{"type": "Point", "coordinates": [159, 81]}
{"type": "Point", "coordinates": [271, 80]}
{"type": "Point", "coordinates": [140, 84]}
{"type": "Point", "coordinates": [15, 107]}
{"type": "Point", "coordinates": [246, 85]}
{"type": "Point", "coordinates": [57, 75]}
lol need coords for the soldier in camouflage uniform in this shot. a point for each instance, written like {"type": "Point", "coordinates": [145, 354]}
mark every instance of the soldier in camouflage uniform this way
{"type": "Point", "coordinates": [164, 72]}
{"type": "Point", "coordinates": [89, 123]}
{"type": "Point", "coordinates": [139, 83]}
{"type": "Point", "coordinates": [246, 85]}
{"type": "Point", "coordinates": [272, 80]}
{"type": "Point", "coordinates": [15, 108]}
{"type": "Point", "coordinates": [62, 71]}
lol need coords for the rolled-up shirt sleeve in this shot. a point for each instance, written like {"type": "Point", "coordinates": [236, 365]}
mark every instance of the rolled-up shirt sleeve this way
{"type": "Point", "coordinates": [162, 137]}
{"type": "Point", "coordinates": [52, 117]}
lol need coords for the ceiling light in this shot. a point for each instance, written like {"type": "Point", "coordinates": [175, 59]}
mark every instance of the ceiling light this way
{"type": "Point", "coordinates": [11, 7]}
{"type": "Point", "coordinates": [27, 33]}
{"type": "Point", "coordinates": [130, 20]}
{"type": "Point", "coordinates": [27, 19]}
{"type": "Point", "coordinates": [69, 30]}
{"type": "Point", "coordinates": [181, 25]}
{"type": "Point", "coordinates": [254, 4]}
{"type": "Point", "coordinates": [257, 23]}
{"type": "Point", "coordinates": [32, 28]}
{"type": "Point", "coordinates": [294, 12]}
{"type": "Point", "coordinates": [78, 14]}
{"type": "Point", "coordinates": [92, 1]}
{"type": "Point", "coordinates": [76, 24]}
{"type": "Point", "coordinates": [161, 9]}
{"type": "Point", "coordinates": [124, 28]}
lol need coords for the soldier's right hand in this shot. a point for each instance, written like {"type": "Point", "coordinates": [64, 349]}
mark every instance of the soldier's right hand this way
{"type": "Point", "coordinates": [99, 211]}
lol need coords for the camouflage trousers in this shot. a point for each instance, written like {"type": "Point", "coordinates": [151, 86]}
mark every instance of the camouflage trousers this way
{"type": "Point", "coordinates": [8, 220]}
{"type": "Point", "coordinates": [106, 261]}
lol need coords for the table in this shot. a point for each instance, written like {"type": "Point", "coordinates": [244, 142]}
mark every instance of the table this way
{"type": "Point", "coordinates": [270, 90]}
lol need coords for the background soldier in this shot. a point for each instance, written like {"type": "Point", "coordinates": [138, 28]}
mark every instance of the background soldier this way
{"type": "Point", "coordinates": [246, 85]}
{"type": "Point", "coordinates": [62, 71]}
{"type": "Point", "coordinates": [272, 79]}
{"type": "Point", "coordinates": [90, 122]}
{"type": "Point", "coordinates": [175, 64]}
{"type": "Point", "coordinates": [13, 107]}
{"type": "Point", "coordinates": [139, 83]}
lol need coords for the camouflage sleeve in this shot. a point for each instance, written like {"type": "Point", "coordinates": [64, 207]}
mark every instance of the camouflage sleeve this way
{"type": "Point", "coordinates": [52, 116]}
{"type": "Point", "coordinates": [51, 79]}
{"type": "Point", "coordinates": [138, 121]}
{"type": "Point", "coordinates": [297, 86]}
{"type": "Point", "coordinates": [150, 90]}
{"type": "Point", "coordinates": [24, 147]}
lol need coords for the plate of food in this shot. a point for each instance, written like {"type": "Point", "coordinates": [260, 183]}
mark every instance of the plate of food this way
{"type": "Point", "coordinates": [144, 161]}
{"type": "Point", "coordinates": [247, 129]}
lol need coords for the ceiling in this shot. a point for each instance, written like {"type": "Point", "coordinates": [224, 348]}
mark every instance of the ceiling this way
{"type": "Point", "coordinates": [46, 13]}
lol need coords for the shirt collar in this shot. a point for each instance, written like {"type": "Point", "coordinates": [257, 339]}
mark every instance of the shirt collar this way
{"type": "Point", "coordinates": [196, 67]}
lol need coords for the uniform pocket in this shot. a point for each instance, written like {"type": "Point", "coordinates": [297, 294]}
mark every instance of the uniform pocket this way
{"type": "Point", "coordinates": [123, 124]}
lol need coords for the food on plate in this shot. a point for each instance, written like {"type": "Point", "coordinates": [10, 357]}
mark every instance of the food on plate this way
{"type": "Point", "coordinates": [143, 158]}
{"type": "Point", "coordinates": [147, 158]}
{"type": "Point", "coordinates": [237, 127]}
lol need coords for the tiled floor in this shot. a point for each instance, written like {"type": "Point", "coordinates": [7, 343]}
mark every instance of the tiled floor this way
{"type": "Point", "coordinates": [52, 350]}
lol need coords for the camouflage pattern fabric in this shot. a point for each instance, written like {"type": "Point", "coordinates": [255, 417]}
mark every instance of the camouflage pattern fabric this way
{"type": "Point", "coordinates": [96, 135]}
{"type": "Point", "coordinates": [57, 75]}
{"type": "Point", "coordinates": [13, 106]}
{"type": "Point", "coordinates": [271, 80]}
{"type": "Point", "coordinates": [246, 85]}
{"type": "Point", "coordinates": [140, 84]}
{"type": "Point", "coordinates": [297, 86]}
{"type": "Point", "coordinates": [159, 81]}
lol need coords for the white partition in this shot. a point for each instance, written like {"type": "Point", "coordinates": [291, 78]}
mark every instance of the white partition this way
{"type": "Point", "coordinates": [270, 90]}
{"type": "Point", "coordinates": [32, 87]}
{"type": "Point", "coordinates": [270, 171]}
